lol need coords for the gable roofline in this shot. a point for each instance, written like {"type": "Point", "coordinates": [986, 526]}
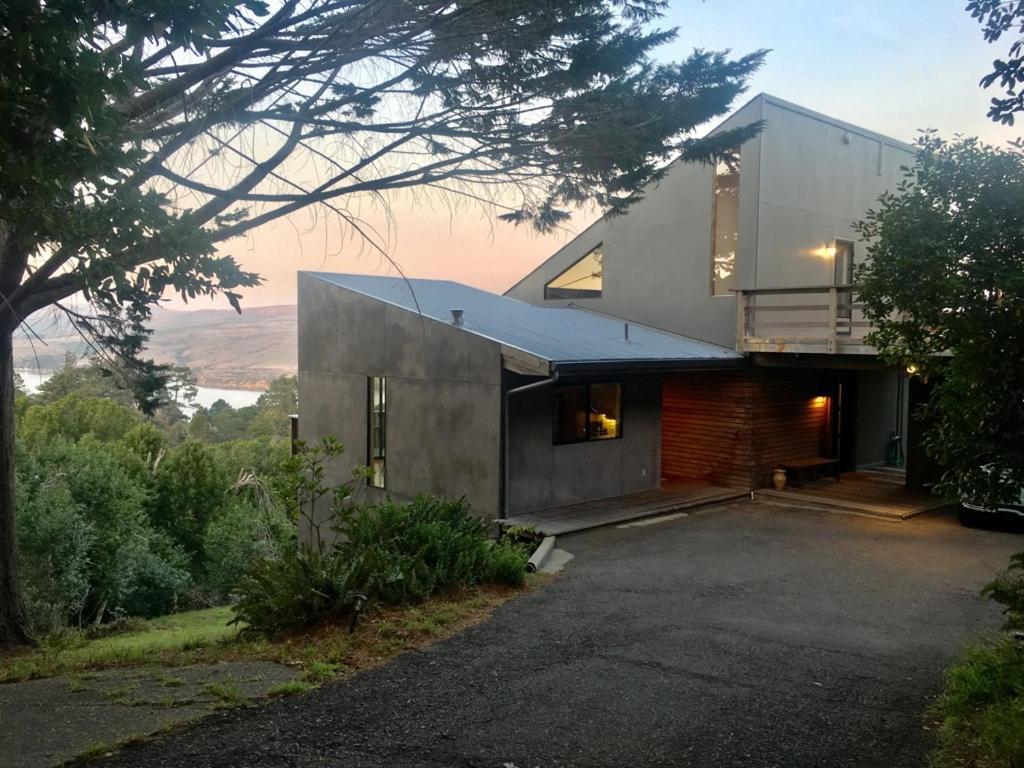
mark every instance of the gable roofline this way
{"type": "Point", "coordinates": [790, 106]}
{"type": "Point", "coordinates": [765, 98]}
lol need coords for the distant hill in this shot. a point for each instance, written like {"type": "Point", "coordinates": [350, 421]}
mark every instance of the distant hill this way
{"type": "Point", "coordinates": [223, 348]}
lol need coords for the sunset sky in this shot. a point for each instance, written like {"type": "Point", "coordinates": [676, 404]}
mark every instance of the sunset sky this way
{"type": "Point", "coordinates": [893, 66]}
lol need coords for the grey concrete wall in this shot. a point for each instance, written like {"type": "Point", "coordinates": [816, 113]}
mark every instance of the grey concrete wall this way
{"type": "Point", "coordinates": [817, 178]}
{"type": "Point", "coordinates": [444, 395]}
{"type": "Point", "coordinates": [657, 258]}
{"type": "Point", "coordinates": [803, 182]}
{"type": "Point", "coordinates": [877, 415]}
{"type": "Point", "coordinates": [543, 475]}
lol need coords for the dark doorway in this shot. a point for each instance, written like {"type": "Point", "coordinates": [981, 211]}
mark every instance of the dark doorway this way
{"type": "Point", "coordinates": [922, 470]}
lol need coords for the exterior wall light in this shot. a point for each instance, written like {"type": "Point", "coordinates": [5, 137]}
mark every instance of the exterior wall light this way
{"type": "Point", "coordinates": [911, 369]}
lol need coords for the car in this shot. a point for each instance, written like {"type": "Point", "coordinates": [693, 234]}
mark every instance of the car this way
{"type": "Point", "coordinates": [980, 513]}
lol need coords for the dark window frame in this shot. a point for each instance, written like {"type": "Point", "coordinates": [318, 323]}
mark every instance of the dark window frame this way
{"type": "Point", "coordinates": [561, 294]}
{"type": "Point", "coordinates": [587, 438]}
{"type": "Point", "coordinates": [371, 418]}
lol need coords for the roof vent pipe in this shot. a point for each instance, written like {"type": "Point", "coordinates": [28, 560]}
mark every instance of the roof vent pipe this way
{"type": "Point", "coordinates": [626, 331]}
{"type": "Point", "coordinates": [457, 317]}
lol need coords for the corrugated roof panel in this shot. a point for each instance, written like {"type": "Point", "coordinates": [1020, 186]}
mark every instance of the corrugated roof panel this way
{"type": "Point", "coordinates": [557, 334]}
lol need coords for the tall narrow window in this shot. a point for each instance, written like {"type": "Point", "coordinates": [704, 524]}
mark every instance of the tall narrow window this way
{"type": "Point", "coordinates": [378, 430]}
{"type": "Point", "coordinates": [844, 262]}
{"type": "Point", "coordinates": [726, 226]}
{"type": "Point", "coordinates": [844, 277]}
{"type": "Point", "coordinates": [583, 280]}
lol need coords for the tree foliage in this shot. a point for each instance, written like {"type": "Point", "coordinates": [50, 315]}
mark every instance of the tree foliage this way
{"type": "Point", "coordinates": [118, 516]}
{"type": "Point", "coordinates": [998, 18]}
{"type": "Point", "coordinates": [137, 138]}
{"type": "Point", "coordinates": [944, 287]}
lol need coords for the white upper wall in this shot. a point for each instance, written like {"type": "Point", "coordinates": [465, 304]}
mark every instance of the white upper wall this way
{"type": "Point", "coordinates": [818, 176]}
{"type": "Point", "coordinates": [803, 182]}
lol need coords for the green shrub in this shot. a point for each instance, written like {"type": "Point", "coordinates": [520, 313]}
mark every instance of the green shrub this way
{"type": "Point", "coordinates": [1008, 591]}
{"type": "Point", "coordinates": [54, 540]}
{"type": "Point", "coordinates": [391, 553]}
{"type": "Point", "coordinates": [190, 488]}
{"type": "Point", "coordinates": [507, 565]}
{"type": "Point", "coordinates": [526, 537]}
{"type": "Point", "coordinates": [239, 535]}
{"type": "Point", "coordinates": [94, 491]}
{"type": "Point", "coordinates": [300, 588]}
{"type": "Point", "coordinates": [73, 417]}
{"type": "Point", "coordinates": [416, 549]}
{"type": "Point", "coordinates": [982, 708]}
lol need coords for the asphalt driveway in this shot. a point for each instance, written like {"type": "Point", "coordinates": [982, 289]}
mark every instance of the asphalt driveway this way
{"type": "Point", "coordinates": [747, 635]}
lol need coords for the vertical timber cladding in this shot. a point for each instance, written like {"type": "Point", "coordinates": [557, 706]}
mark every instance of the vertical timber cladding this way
{"type": "Point", "coordinates": [734, 427]}
{"type": "Point", "coordinates": [706, 429]}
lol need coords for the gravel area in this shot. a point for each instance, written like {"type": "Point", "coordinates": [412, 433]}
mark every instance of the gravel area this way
{"type": "Point", "coordinates": [742, 635]}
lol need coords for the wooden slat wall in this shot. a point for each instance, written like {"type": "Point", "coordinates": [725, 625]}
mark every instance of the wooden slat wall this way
{"type": "Point", "coordinates": [733, 428]}
{"type": "Point", "coordinates": [788, 422]}
{"type": "Point", "coordinates": [705, 428]}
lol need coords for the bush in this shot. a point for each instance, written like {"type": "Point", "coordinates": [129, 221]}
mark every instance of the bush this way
{"type": "Point", "coordinates": [1008, 591]}
{"type": "Point", "coordinates": [982, 708]}
{"type": "Point", "coordinates": [507, 565]}
{"type": "Point", "coordinates": [300, 588]}
{"type": "Point", "coordinates": [390, 553]}
{"type": "Point", "coordinates": [190, 488]}
{"type": "Point", "coordinates": [54, 540]}
{"type": "Point", "coordinates": [241, 534]}
{"type": "Point", "coordinates": [95, 493]}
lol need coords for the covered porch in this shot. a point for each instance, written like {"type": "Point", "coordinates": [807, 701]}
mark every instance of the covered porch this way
{"type": "Point", "coordinates": [673, 497]}
{"type": "Point", "coordinates": [879, 493]}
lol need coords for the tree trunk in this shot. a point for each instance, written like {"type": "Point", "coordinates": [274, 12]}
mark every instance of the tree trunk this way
{"type": "Point", "coordinates": [13, 621]}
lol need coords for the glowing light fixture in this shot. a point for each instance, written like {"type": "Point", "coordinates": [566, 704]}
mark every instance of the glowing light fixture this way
{"type": "Point", "coordinates": [911, 369]}
{"type": "Point", "coordinates": [826, 251]}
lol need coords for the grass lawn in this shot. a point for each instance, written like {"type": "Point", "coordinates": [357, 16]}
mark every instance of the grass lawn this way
{"type": "Point", "coordinates": [980, 715]}
{"type": "Point", "coordinates": [203, 636]}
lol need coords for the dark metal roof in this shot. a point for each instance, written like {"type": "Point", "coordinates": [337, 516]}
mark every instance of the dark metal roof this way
{"type": "Point", "coordinates": [564, 336]}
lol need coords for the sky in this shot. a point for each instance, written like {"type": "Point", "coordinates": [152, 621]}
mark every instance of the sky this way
{"type": "Point", "coordinates": [894, 67]}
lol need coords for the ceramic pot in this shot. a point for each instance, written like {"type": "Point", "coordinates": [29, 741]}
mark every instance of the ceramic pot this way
{"type": "Point", "coordinates": [779, 479]}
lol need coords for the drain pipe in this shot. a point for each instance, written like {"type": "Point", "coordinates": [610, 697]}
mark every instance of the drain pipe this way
{"type": "Point", "coordinates": [508, 442]}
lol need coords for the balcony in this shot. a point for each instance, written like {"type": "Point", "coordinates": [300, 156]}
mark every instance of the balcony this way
{"type": "Point", "coordinates": [810, 320]}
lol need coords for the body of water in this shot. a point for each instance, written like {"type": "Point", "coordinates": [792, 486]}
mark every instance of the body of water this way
{"type": "Point", "coordinates": [205, 396]}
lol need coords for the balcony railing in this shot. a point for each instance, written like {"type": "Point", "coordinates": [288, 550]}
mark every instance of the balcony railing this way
{"type": "Point", "coordinates": [816, 319]}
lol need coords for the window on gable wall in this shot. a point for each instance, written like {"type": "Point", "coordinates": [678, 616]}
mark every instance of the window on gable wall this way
{"type": "Point", "coordinates": [583, 280]}
{"type": "Point", "coordinates": [725, 235]}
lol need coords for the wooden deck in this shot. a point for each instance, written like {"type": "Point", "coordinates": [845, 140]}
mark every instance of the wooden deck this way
{"type": "Point", "coordinates": [594, 514]}
{"type": "Point", "coordinates": [880, 494]}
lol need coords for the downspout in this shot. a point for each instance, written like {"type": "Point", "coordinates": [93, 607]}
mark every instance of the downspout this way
{"type": "Point", "coordinates": [507, 432]}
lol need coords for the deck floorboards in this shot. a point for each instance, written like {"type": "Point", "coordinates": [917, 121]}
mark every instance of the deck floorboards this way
{"type": "Point", "coordinates": [878, 494]}
{"type": "Point", "coordinates": [619, 509]}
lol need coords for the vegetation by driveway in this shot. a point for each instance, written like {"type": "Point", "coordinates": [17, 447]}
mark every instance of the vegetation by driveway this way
{"type": "Point", "coordinates": [741, 636]}
{"type": "Point", "coordinates": [88, 698]}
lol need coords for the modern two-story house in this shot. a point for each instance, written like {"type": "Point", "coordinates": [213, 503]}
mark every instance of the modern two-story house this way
{"type": "Point", "coordinates": [710, 334]}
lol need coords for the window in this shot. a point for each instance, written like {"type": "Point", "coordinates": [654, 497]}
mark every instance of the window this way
{"type": "Point", "coordinates": [378, 430]}
{"type": "Point", "coordinates": [726, 217]}
{"type": "Point", "coordinates": [580, 281]}
{"type": "Point", "coordinates": [844, 262]}
{"type": "Point", "coordinates": [844, 276]}
{"type": "Point", "coordinates": [588, 412]}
